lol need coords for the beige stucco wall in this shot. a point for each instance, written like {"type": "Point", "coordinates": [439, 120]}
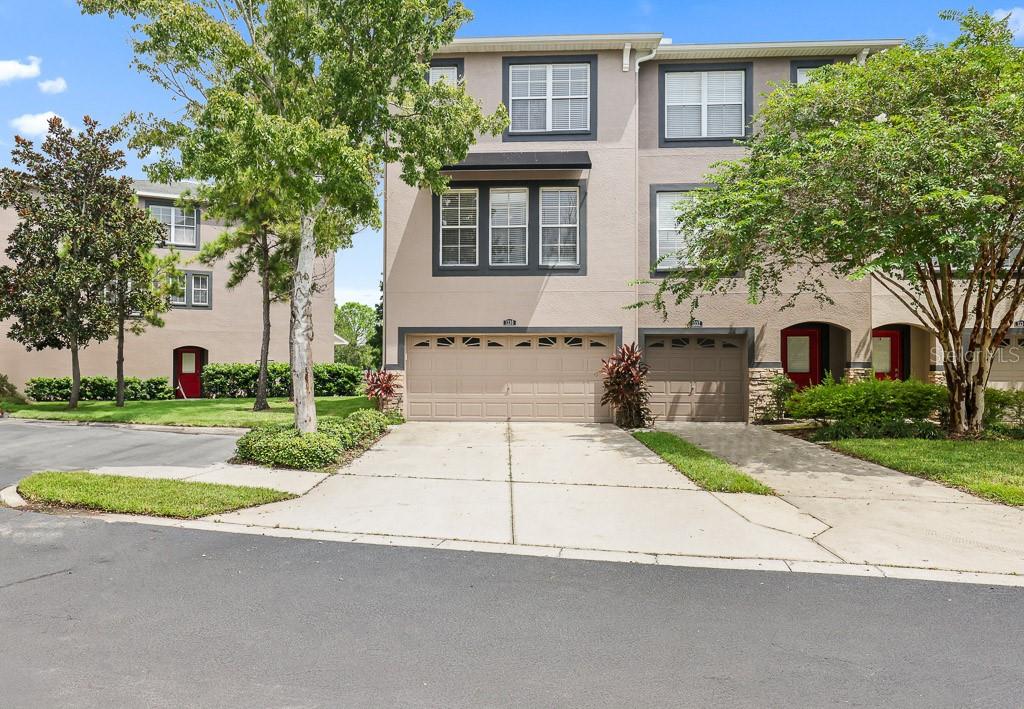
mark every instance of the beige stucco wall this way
{"type": "Point", "coordinates": [230, 330]}
{"type": "Point", "coordinates": [626, 162]}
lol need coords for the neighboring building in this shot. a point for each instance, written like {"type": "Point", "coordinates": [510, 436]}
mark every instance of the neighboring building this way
{"type": "Point", "coordinates": [209, 323]}
{"type": "Point", "coordinates": [503, 295]}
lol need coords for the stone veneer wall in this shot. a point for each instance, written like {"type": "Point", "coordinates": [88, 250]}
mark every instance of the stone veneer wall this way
{"type": "Point", "coordinates": [759, 391]}
{"type": "Point", "coordinates": [857, 374]}
{"type": "Point", "coordinates": [399, 403]}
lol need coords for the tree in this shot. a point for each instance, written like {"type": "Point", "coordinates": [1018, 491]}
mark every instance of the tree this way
{"type": "Point", "coordinates": [906, 170]}
{"type": "Point", "coordinates": [143, 282]}
{"type": "Point", "coordinates": [255, 244]}
{"type": "Point", "coordinates": [61, 250]}
{"type": "Point", "coordinates": [357, 323]}
{"type": "Point", "coordinates": [317, 96]}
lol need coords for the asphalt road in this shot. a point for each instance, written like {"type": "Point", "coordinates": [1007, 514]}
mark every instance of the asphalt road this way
{"type": "Point", "coordinates": [101, 614]}
{"type": "Point", "coordinates": [30, 446]}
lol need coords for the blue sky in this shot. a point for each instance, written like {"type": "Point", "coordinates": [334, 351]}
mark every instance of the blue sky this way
{"type": "Point", "coordinates": [52, 59]}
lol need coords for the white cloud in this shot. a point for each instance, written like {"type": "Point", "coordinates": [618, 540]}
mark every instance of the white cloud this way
{"type": "Point", "coordinates": [11, 69]}
{"type": "Point", "coordinates": [53, 86]}
{"type": "Point", "coordinates": [370, 296]}
{"type": "Point", "coordinates": [1016, 19]}
{"type": "Point", "coordinates": [32, 125]}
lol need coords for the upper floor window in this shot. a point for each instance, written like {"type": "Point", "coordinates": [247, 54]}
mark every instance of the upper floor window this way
{"type": "Point", "coordinates": [802, 70]}
{"type": "Point", "coordinates": [669, 239]}
{"type": "Point", "coordinates": [181, 296]}
{"type": "Point", "coordinates": [559, 226]}
{"type": "Point", "coordinates": [705, 104]}
{"type": "Point", "coordinates": [509, 218]}
{"type": "Point", "coordinates": [200, 289]}
{"type": "Point", "coordinates": [459, 227]}
{"type": "Point", "coordinates": [193, 290]}
{"type": "Point", "coordinates": [802, 75]}
{"type": "Point", "coordinates": [549, 98]}
{"type": "Point", "coordinates": [449, 73]}
{"type": "Point", "coordinates": [180, 224]}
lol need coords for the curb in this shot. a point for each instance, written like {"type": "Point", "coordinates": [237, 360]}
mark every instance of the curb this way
{"type": "Point", "coordinates": [158, 428]}
{"type": "Point", "coordinates": [10, 497]}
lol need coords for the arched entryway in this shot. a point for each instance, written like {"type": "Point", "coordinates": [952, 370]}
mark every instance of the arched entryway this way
{"type": "Point", "coordinates": [813, 350]}
{"type": "Point", "coordinates": [900, 351]}
{"type": "Point", "coordinates": [188, 371]}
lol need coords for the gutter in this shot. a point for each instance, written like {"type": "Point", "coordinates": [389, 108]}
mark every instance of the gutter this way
{"type": "Point", "coordinates": [636, 185]}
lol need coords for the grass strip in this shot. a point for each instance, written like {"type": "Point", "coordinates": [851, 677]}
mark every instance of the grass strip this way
{"type": "Point", "coordinates": [706, 470]}
{"type": "Point", "coordinates": [143, 496]}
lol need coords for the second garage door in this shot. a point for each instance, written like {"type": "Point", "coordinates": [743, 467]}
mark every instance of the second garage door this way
{"type": "Point", "coordinates": [498, 377]}
{"type": "Point", "coordinates": [697, 378]}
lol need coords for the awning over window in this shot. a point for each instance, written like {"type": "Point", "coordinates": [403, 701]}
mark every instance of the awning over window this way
{"type": "Point", "coordinates": [546, 160]}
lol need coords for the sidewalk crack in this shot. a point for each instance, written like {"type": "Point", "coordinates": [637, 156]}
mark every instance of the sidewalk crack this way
{"type": "Point", "coordinates": [511, 485]}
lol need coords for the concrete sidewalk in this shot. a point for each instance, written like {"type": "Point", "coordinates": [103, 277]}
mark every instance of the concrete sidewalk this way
{"type": "Point", "coordinates": [874, 515]}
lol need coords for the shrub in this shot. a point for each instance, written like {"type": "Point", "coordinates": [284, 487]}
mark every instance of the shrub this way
{"type": "Point", "coordinates": [772, 406]}
{"type": "Point", "coordinates": [98, 388]}
{"type": "Point", "coordinates": [8, 391]}
{"type": "Point", "coordinates": [237, 380]}
{"type": "Point", "coordinates": [878, 427]}
{"type": "Point", "coordinates": [870, 399]}
{"type": "Point", "coordinates": [625, 387]}
{"type": "Point", "coordinates": [382, 386]}
{"type": "Point", "coordinates": [283, 446]}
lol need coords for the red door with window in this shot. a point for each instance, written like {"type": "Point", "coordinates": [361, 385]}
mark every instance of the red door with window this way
{"type": "Point", "coordinates": [188, 371]}
{"type": "Point", "coordinates": [801, 355]}
{"type": "Point", "coordinates": [887, 354]}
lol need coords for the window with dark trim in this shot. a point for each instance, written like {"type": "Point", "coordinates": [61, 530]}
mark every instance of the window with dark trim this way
{"type": "Point", "coordinates": [506, 228]}
{"type": "Point", "coordinates": [704, 104]}
{"type": "Point", "coordinates": [196, 288]}
{"type": "Point", "coordinates": [799, 68]}
{"type": "Point", "coordinates": [666, 238]}
{"type": "Point", "coordinates": [550, 97]}
{"type": "Point", "coordinates": [451, 70]}
{"type": "Point", "coordinates": [181, 225]}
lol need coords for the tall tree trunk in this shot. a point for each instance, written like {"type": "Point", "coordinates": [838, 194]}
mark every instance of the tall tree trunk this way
{"type": "Point", "coordinates": [302, 328]}
{"type": "Point", "coordinates": [76, 374]}
{"type": "Point", "coordinates": [261, 383]}
{"type": "Point", "coordinates": [120, 358]}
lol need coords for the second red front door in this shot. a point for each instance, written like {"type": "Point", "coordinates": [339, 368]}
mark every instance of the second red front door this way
{"type": "Point", "coordinates": [801, 355]}
{"type": "Point", "coordinates": [887, 354]}
{"type": "Point", "coordinates": [188, 369]}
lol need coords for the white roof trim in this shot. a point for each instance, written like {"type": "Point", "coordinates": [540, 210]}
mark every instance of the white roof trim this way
{"type": "Point", "coordinates": [551, 43]}
{"type": "Point", "coordinates": [755, 50]}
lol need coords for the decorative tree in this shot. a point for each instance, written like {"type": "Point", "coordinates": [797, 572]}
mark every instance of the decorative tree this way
{"type": "Point", "coordinates": [313, 97]}
{"type": "Point", "coordinates": [906, 170]}
{"type": "Point", "coordinates": [71, 210]}
{"type": "Point", "coordinates": [624, 375]}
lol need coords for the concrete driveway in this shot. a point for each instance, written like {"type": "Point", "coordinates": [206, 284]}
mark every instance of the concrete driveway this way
{"type": "Point", "coordinates": [574, 490]}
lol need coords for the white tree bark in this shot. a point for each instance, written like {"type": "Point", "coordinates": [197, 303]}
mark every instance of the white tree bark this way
{"type": "Point", "coordinates": [302, 328]}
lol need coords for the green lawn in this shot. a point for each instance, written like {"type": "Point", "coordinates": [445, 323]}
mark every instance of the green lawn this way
{"type": "Point", "coordinates": [144, 496]}
{"type": "Point", "coordinates": [181, 412]}
{"type": "Point", "coordinates": [991, 469]}
{"type": "Point", "coordinates": [708, 471]}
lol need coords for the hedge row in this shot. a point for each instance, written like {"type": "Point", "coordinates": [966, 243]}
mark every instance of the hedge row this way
{"type": "Point", "coordinates": [98, 389]}
{"type": "Point", "coordinates": [238, 380]}
{"type": "Point", "coordinates": [283, 446]}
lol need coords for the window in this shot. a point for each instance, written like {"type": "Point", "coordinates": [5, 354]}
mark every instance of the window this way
{"type": "Point", "coordinates": [679, 343]}
{"type": "Point", "coordinates": [200, 289]}
{"type": "Point", "coordinates": [509, 217]}
{"type": "Point", "coordinates": [470, 341]}
{"type": "Point", "coordinates": [458, 228]}
{"type": "Point", "coordinates": [802, 77]}
{"type": "Point", "coordinates": [559, 226]}
{"type": "Point", "coordinates": [573, 341]}
{"type": "Point", "coordinates": [705, 104]}
{"type": "Point", "coordinates": [670, 239]}
{"type": "Point", "coordinates": [549, 98]}
{"type": "Point", "coordinates": [179, 223]}
{"type": "Point", "coordinates": [446, 73]}
{"type": "Point", "coordinates": [446, 342]}
{"type": "Point", "coordinates": [547, 341]}
{"type": "Point", "coordinates": [524, 343]}
{"type": "Point", "coordinates": [182, 297]}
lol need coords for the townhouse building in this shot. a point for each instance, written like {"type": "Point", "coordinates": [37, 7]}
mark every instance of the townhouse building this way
{"type": "Point", "coordinates": [503, 294]}
{"type": "Point", "coordinates": [209, 322]}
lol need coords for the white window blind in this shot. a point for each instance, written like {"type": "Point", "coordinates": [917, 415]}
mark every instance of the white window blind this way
{"type": "Point", "coordinates": [448, 73]}
{"type": "Point", "coordinates": [549, 97]}
{"type": "Point", "coordinates": [200, 289]}
{"type": "Point", "coordinates": [704, 104]}
{"type": "Point", "coordinates": [669, 238]}
{"type": "Point", "coordinates": [509, 215]}
{"type": "Point", "coordinates": [559, 226]}
{"type": "Point", "coordinates": [802, 76]}
{"type": "Point", "coordinates": [179, 223]}
{"type": "Point", "coordinates": [458, 228]}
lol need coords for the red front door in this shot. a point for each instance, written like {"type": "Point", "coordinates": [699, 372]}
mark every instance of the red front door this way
{"type": "Point", "coordinates": [887, 354]}
{"type": "Point", "coordinates": [188, 370]}
{"type": "Point", "coordinates": [801, 355]}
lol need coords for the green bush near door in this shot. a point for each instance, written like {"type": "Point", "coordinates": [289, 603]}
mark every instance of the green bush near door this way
{"type": "Point", "coordinates": [98, 389]}
{"type": "Point", "coordinates": [237, 380]}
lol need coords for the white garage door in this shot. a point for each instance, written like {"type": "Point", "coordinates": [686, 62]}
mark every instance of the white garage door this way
{"type": "Point", "coordinates": [697, 378]}
{"type": "Point", "coordinates": [1008, 364]}
{"type": "Point", "coordinates": [483, 377]}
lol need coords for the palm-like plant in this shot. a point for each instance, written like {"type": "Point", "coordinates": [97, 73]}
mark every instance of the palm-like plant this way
{"type": "Point", "coordinates": [625, 387]}
{"type": "Point", "coordinates": [382, 386]}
